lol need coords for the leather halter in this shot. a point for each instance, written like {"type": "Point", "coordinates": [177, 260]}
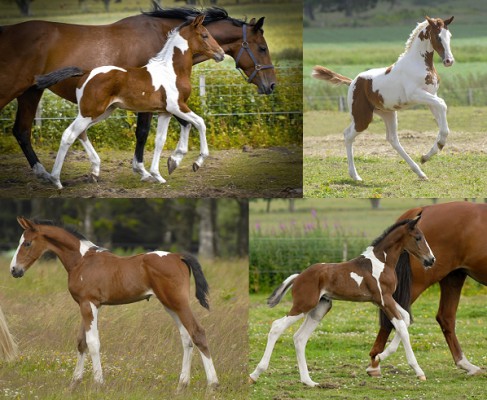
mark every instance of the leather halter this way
{"type": "Point", "coordinates": [245, 47]}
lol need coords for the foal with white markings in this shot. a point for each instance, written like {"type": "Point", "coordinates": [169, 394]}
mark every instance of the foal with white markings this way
{"type": "Point", "coordinates": [412, 79]}
{"type": "Point", "coordinates": [162, 86]}
{"type": "Point", "coordinates": [368, 278]}
{"type": "Point", "coordinates": [97, 277]}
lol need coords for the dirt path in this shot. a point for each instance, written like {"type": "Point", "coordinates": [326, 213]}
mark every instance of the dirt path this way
{"type": "Point", "coordinates": [272, 172]}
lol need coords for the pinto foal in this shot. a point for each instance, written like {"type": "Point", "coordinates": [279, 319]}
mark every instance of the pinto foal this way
{"type": "Point", "coordinates": [162, 86]}
{"type": "Point", "coordinates": [412, 79]}
{"type": "Point", "coordinates": [97, 277]}
{"type": "Point", "coordinates": [368, 278]}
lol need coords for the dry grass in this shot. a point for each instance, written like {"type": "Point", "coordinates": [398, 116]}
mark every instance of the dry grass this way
{"type": "Point", "coordinates": [140, 345]}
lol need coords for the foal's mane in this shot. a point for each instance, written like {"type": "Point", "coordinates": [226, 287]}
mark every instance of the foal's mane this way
{"type": "Point", "coordinates": [212, 14]}
{"type": "Point", "coordinates": [388, 231]}
{"type": "Point", "coordinates": [413, 35]}
{"type": "Point", "coordinates": [69, 229]}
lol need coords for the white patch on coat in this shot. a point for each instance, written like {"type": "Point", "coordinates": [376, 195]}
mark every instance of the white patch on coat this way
{"type": "Point", "coordinates": [99, 70]}
{"type": "Point", "coordinates": [377, 267]}
{"type": "Point", "coordinates": [14, 259]}
{"type": "Point", "coordinates": [357, 278]}
{"type": "Point", "coordinates": [84, 246]}
{"type": "Point", "coordinates": [160, 253]}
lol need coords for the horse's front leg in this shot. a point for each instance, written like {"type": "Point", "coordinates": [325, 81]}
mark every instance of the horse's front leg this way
{"type": "Point", "coordinates": [438, 107]}
{"type": "Point", "coordinates": [82, 350]}
{"type": "Point", "coordinates": [182, 147]}
{"type": "Point", "coordinates": [162, 126]}
{"type": "Point", "coordinates": [141, 134]}
{"type": "Point", "coordinates": [92, 155]}
{"type": "Point", "coordinates": [89, 313]}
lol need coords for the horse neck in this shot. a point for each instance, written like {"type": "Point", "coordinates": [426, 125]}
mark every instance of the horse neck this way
{"type": "Point", "coordinates": [417, 49]}
{"type": "Point", "coordinates": [391, 249]}
{"type": "Point", "coordinates": [65, 245]}
{"type": "Point", "coordinates": [168, 54]}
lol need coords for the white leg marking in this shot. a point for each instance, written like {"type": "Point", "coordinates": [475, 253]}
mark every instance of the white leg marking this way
{"type": "Point", "coordinates": [80, 365]}
{"type": "Point", "coordinates": [210, 370]}
{"type": "Point", "coordinates": [139, 168]}
{"type": "Point", "coordinates": [349, 135]}
{"type": "Point", "coordinates": [162, 126]}
{"type": "Point", "coordinates": [278, 327]}
{"type": "Point", "coordinates": [40, 171]}
{"type": "Point", "coordinates": [93, 342]}
{"type": "Point", "coordinates": [394, 344]}
{"type": "Point", "coordinates": [92, 155]}
{"type": "Point", "coordinates": [468, 366]}
{"type": "Point", "coordinates": [182, 146]}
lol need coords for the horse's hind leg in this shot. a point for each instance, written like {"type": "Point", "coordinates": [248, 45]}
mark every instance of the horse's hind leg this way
{"type": "Point", "coordinates": [162, 126]}
{"type": "Point", "coordinates": [301, 337]}
{"type": "Point", "coordinates": [182, 147]}
{"type": "Point", "coordinates": [277, 329]}
{"type": "Point", "coordinates": [141, 134]}
{"type": "Point", "coordinates": [89, 312]}
{"type": "Point", "coordinates": [349, 135]}
{"type": "Point", "coordinates": [439, 112]}
{"type": "Point", "coordinates": [82, 350]}
{"type": "Point", "coordinates": [450, 289]}
{"type": "Point", "coordinates": [390, 120]}
{"type": "Point", "coordinates": [92, 155]}
{"type": "Point", "coordinates": [393, 346]}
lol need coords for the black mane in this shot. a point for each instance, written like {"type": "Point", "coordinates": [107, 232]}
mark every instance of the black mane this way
{"type": "Point", "coordinates": [212, 14]}
{"type": "Point", "coordinates": [69, 229]}
{"type": "Point", "coordinates": [389, 230]}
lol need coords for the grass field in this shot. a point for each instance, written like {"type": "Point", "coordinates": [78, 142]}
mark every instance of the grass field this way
{"type": "Point", "coordinates": [140, 346]}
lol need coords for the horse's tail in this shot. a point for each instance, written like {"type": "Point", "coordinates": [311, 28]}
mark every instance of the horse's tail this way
{"type": "Point", "coordinates": [202, 288]}
{"type": "Point", "coordinates": [8, 347]}
{"type": "Point", "coordinates": [325, 74]}
{"type": "Point", "coordinates": [47, 80]}
{"type": "Point", "coordinates": [278, 294]}
{"type": "Point", "coordinates": [402, 295]}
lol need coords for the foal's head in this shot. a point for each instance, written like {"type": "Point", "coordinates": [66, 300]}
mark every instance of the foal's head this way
{"type": "Point", "coordinates": [32, 245]}
{"type": "Point", "coordinates": [415, 243]}
{"type": "Point", "coordinates": [200, 40]}
{"type": "Point", "coordinates": [439, 35]}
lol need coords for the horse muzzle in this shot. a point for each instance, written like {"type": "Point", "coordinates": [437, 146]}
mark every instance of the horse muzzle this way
{"type": "Point", "coordinates": [429, 262]}
{"type": "Point", "coordinates": [266, 89]}
{"type": "Point", "coordinates": [220, 56]}
{"type": "Point", "coordinates": [448, 61]}
{"type": "Point", "coordinates": [17, 272]}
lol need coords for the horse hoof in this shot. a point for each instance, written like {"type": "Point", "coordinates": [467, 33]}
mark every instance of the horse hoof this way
{"type": "Point", "coordinates": [251, 381]}
{"type": "Point", "coordinates": [196, 167]}
{"type": "Point", "coordinates": [171, 165]}
{"type": "Point", "coordinates": [148, 178]}
{"type": "Point", "coordinates": [424, 159]}
{"type": "Point", "coordinates": [158, 178]}
{"type": "Point", "coordinates": [422, 378]}
{"type": "Point", "coordinates": [93, 178]}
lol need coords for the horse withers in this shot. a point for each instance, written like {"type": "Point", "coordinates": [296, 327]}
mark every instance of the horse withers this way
{"type": "Point", "coordinates": [370, 277]}
{"type": "Point", "coordinates": [97, 277]}
{"type": "Point", "coordinates": [162, 86]}
{"type": "Point", "coordinates": [412, 79]}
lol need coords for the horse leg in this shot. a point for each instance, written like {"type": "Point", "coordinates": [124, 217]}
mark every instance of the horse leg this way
{"type": "Point", "coordinates": [393, 346]}
{"type": "Point", "coordinates": [187, 351]}
{"type": "Point", "coordinates": [182, 147]}
{"type": "Point", "coordinates": [438, 107]}
{"type": "Point", "coordinates": [82, 350]}
{"type": "Point", "coordinates": [301, 337]}
{"type": "Point", "coordinates": [450, 289]}
{"type": "Point", "coordinates": [141, 134]}
{"type": "Point", "coordinates": [390, 120]}
{"type": "Point", "coordinates": [162, 126]}
{"type": "Point", "coordinates": [380, 343]}
{"type": "Point", "coordinates": [92, 155]}
{"type": "Point", "coordinates": [277, 329]}
{"type": "Point", "coordinates": [26, 109]}
{"type": "Point", "coordinates": [89, 313]}
{"type": "Point", "coordinates": [350, 134]}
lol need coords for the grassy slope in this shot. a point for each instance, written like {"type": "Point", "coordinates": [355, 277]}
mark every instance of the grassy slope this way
{"type": "Point", "coordinates": [140, 346]}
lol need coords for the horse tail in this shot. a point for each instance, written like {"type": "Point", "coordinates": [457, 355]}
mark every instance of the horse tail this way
{"type": "Point", "coordinates": [279, 293]}
{"type": "Point", "coordinates": [202, 288]}
{"type": "Point", "coordinates": [8, 347]}
{"type": "Point", "coordinates": [47, 80]}
{"type": "Point", "coordinates": [402, 295]}
{"type": "Point", "coordinates": [325, 74]}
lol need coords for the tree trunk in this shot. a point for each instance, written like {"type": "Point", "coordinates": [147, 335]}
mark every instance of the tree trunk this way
{"type": "Point", "coordinates": [207, 234]}
{"type": "Point", "coordinates": [243, 229]}
{"type": "Point", "coordinates": [24, 7]}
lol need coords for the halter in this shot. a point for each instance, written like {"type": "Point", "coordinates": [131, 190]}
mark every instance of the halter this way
{"type": "Point", "coordinates": [245, 47]}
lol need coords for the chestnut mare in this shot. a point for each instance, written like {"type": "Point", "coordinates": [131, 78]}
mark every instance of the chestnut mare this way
{"type": "Point", "coordinates": [370, 277]}
{"type": "Point", "coordinates": [412, 79]}
{"type": "Point", "coordinates": [163, 86]}
{"type": "Point", "coordinates": [38, 47]}
{"type": "Point", "coordinates": [97, 277]}
{"type": "Point", "coordinates": [454, 232]}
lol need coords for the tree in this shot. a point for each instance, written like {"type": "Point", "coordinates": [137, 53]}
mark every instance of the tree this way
{"type": "Point", "coordinates": [24, 7]}
{"type": "Point", "coordinates": [347, 6]}
{"type": "Point", "coordinates": [207, 209]}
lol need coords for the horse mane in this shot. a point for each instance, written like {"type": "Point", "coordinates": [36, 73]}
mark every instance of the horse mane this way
{"type": "Point", "coordinates": [70, 229]}
{"type": "Point", "coordinates": [414, 34]}
{"type": "Point", "coordinates": [212, 14]}
{"type": "Point", "coordinates": [388, 231]}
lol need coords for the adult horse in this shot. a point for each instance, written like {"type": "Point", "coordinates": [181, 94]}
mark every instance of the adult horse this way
{"type": "Point", "coordinates": [97, 277]}
{"type": "Point", "coordinates": [412, 79]}
{"type": "Point", "coordinates": [38, 47]}
{"type": "Point", "coordinates": [370, 277]}
{"type": "Point", "coordinates": [456, 232]}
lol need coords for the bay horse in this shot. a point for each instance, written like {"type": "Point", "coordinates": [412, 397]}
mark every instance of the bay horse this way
{"type": "Point", "coordinates": [8, 347]}
{"type": "Point", "coordinates": [35, 48]}
{"type": "Point", "coordinates": [456, 232]}
{"type": "Point", "coordinates": [412, 79]}
{"type": "Point", "coordinates": [97, 277]}
{"type": "Point", "coordinates": [370, 277]}
{"type": "Point", "coordinates": [163, 85]}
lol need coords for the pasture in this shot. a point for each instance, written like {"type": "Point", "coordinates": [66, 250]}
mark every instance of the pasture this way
{"type": "Point", "coordinates": [140, 345]}
{"type": "Point", "coordinates": [337, 352]}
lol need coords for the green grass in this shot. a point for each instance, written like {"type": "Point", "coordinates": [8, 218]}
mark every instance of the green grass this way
{"type": "Point", "coordinates": [140, 346]}
{"type": "Point", "coordinates": [337, 353]}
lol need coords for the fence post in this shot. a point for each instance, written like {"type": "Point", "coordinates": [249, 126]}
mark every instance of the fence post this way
{"type": "Point", "coordinates": [345, 251]}
{"type": "Point", "coordinates": [341, 104]}
{"type": "Point", "coordinates": [202, 85]}
{"type": "Point", "coordinates": [470, 96]}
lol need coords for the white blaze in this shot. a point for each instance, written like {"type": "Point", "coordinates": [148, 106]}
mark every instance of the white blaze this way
{"type": "Point", "coordinates": [14, 259]}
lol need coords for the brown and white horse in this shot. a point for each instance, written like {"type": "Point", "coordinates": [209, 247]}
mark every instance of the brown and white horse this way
{"type": "Point", "coordinates": [412, 79]}
{"type": "Point", "coordinates": [97, 277]}
{"type": "Point", "coordinates": [162, 86]}
{"type": "Point", "coordinates": [457, 233]}
{"type": "Point", "coordinates": [34, 48]}
{"type": "Point", "coordinates": [370, 277]}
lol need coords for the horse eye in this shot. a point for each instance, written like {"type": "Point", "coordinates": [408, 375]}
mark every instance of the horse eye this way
{"type": "Point", "coordinates": [205, 36]}
{"type": "Point", "coordinates": [418, 238]}
{"type": "Point", "coordinates": [262, 48]}
{"type": "Point", "coordinates": [27, 244]}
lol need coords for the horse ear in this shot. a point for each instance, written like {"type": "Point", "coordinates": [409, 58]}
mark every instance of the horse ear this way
{"type": "Point", "coordinates": [414, 221]}
{"type": "Point", "coordinates": [198, 20]}
{"type": "Point", "coordinates": [252, 21]}
{"type": "Point", "coordinates": [25, 223]}
{"type": "Point", "coordinates": [448, 21]}
{"type": "Point", "coordinates": [431, 21]}
{"type": "Point", "coordinates": [258, 25]}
